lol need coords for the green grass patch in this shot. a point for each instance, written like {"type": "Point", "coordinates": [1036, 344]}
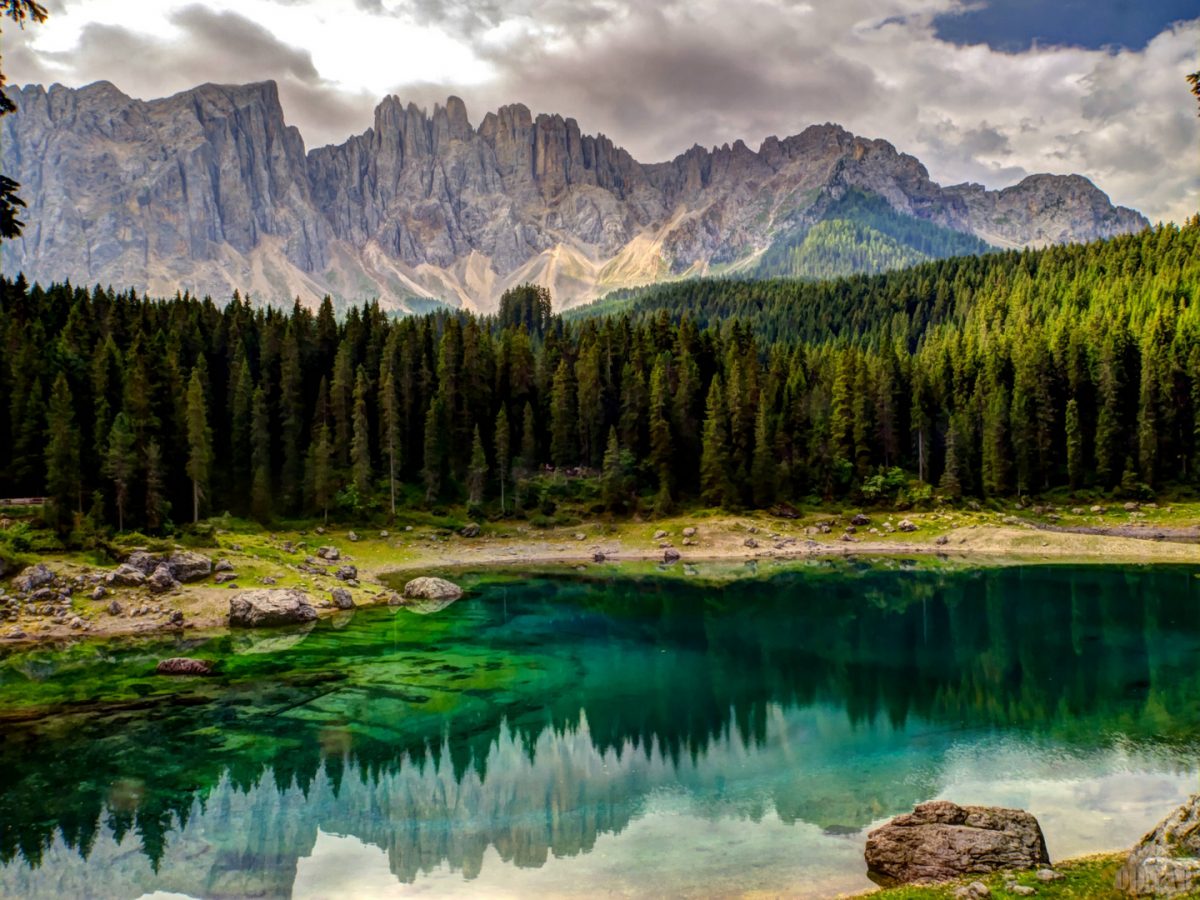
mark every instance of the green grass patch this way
{"type": "Point", "coordinates": [1087, 877]}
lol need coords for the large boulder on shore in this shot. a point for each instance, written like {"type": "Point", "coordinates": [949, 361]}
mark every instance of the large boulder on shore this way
{"type": "Point", "coordinates": [1166, 862]}
{"type": "Point", "coordinates": [189, 566]}
{"type": "Point", "coordinates": [33, 578]}
{"type": "Point", "coordinates": [266, 606]}
{"type": "Point", "coordinates": [183, 565]}
{"type": "Point", "coordinates": [125, 575]}
{"type": "Point", "coordinates": [161, 580]}
{"type": "Point", "coordinates": [940, 841]}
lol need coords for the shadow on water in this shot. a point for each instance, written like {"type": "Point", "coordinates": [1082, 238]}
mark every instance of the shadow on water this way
{"type": "Point", "coordinates": [541, 713]}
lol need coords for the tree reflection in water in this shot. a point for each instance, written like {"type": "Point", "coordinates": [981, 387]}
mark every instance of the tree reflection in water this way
{"type": "Point", "coordinates": [535, 716]}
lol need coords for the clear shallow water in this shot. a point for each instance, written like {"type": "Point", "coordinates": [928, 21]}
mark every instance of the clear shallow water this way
{"type": "Point", "coordinates": [633, 736]}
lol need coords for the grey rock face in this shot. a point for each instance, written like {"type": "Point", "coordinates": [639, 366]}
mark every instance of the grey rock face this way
{"type": "Point", "coordinates": [210, 190]}
{"type": "Point", "coordinates": [432, 589]}
{"type": "Point", "coordinates": [182, 565]}
{"type": "Point", "coordinates": [161, 580]}
{"type": "Point", "coordinates": [341, 598]}
{"type": "Point", "coordinates": [125, 575]}
{"type": "Point", "coordinates": [265, 607]}
{"type": "Point", "coordinates": [33, 578]}
{"type": "Point", "coordinates": [939, 841]}
{"type": "Point", "coordinates": [1166, 862]}
{"type": "Point", "coordinates": [189, 566]}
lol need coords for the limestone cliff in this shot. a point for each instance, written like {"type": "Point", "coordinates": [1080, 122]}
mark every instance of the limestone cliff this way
{"type": "Point", "coordinates": [210, 190]}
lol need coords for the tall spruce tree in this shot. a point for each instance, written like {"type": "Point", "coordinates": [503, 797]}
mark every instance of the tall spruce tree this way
{"type": "Point", "coordinates": [199, 438]}
{"type": "Point", "coordinates": [715, 485]}
{"type": "Point", "coordinates": [477, 470]}
{"type": "Point", "coordinates": [291, 420]}
{"type": "Point", "coordinates": [63, 483]}
{"type": "Point", "coordinates": [260, 456]}
{"type": "Point", "coordinates": [119, 464]}
{"type": "Point", "coordinates": [563, 446]}
{"type": "Point", "coordinates": [764, 469]}
{"type": "Point", "coordinates": [390, 411]}
{"type": "Point", "coordinates": [1074, 444]}
{"type": "Point", "coordinates": [503, 442]}
{"type": "Point", "coordinates": [361, 443]}
{"type": "Point", "coordinates": [435, 451]}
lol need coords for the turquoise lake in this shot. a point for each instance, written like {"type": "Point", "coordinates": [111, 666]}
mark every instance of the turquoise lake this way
{"type": "Point", "coordinates": [600, 733]}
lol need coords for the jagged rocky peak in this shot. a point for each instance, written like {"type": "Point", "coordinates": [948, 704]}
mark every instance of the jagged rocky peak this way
{"type": "Point", "coordinates": [211, 190]}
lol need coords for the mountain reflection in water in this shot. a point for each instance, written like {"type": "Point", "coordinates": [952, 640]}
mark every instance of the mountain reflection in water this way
{"type": "Point", "coordinates": [539, 720]}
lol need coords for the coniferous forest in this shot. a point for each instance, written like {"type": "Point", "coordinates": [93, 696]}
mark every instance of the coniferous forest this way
{"type": "Point", "coordinates": [979, 376]}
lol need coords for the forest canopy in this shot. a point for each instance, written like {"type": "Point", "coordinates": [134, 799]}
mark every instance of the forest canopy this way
{"type": "Point", "coordinates": [979, 376]}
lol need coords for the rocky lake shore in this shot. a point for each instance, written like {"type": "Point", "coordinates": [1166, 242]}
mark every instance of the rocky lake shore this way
{"type": "Point", "coordinates": [168, 586]}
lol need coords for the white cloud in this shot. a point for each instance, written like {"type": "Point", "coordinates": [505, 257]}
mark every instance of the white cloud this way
{"type": "Point", "coordinates": [658, 77]}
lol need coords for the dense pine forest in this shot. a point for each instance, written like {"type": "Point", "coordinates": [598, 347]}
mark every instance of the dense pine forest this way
{"type": "Point", "coordinates": [979, 376]}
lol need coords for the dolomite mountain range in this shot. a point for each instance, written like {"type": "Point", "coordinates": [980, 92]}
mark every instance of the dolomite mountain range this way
{"type": "Point", "coordinates": [210, 190]}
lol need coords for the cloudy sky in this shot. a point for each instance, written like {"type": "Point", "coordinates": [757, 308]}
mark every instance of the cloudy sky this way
{"type": "Point", "coordinates": [979, 90]}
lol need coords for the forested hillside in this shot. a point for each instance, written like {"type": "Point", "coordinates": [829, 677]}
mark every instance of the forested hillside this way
{"type": "Point", "coordinates": [861, 233]}
{"type": "Point", "coordinates": [984, 376]}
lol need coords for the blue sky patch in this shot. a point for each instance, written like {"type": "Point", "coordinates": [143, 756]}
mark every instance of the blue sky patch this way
{"type": "Point", "coordinates": [1015, 25]}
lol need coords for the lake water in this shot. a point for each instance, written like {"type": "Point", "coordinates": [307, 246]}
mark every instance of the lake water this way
{"type": "Point", "coordinates": [604, 734]}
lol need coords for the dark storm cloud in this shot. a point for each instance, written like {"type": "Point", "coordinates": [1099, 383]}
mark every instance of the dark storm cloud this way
{"type": "Point", "coordinates": [718, 77]}
{"type": "Point", "coordinates": [222, 47]}
{"type": "Point", "coordinates": [236, 37]}
{"type": "Point", "coordinates": [210, 44]}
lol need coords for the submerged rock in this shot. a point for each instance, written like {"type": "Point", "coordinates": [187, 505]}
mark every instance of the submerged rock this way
{"type": "Point", "coordinates": [427, 588]}
{"type": "Point", "coordinates": [182, 665]}
{"type": "Point", "coordinates": [264, 607]}
{"type": "Point", "coordinates": [1166, 862]}
{"type": "Point", "coordinates": [940, 841]}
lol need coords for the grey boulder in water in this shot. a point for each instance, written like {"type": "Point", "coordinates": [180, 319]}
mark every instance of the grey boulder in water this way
{"type": "Point", "coordinates": [265, 607]}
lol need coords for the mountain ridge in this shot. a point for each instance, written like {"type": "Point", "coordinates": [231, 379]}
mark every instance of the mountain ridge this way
{"type": "Point", "coordinates": [211, 190]}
